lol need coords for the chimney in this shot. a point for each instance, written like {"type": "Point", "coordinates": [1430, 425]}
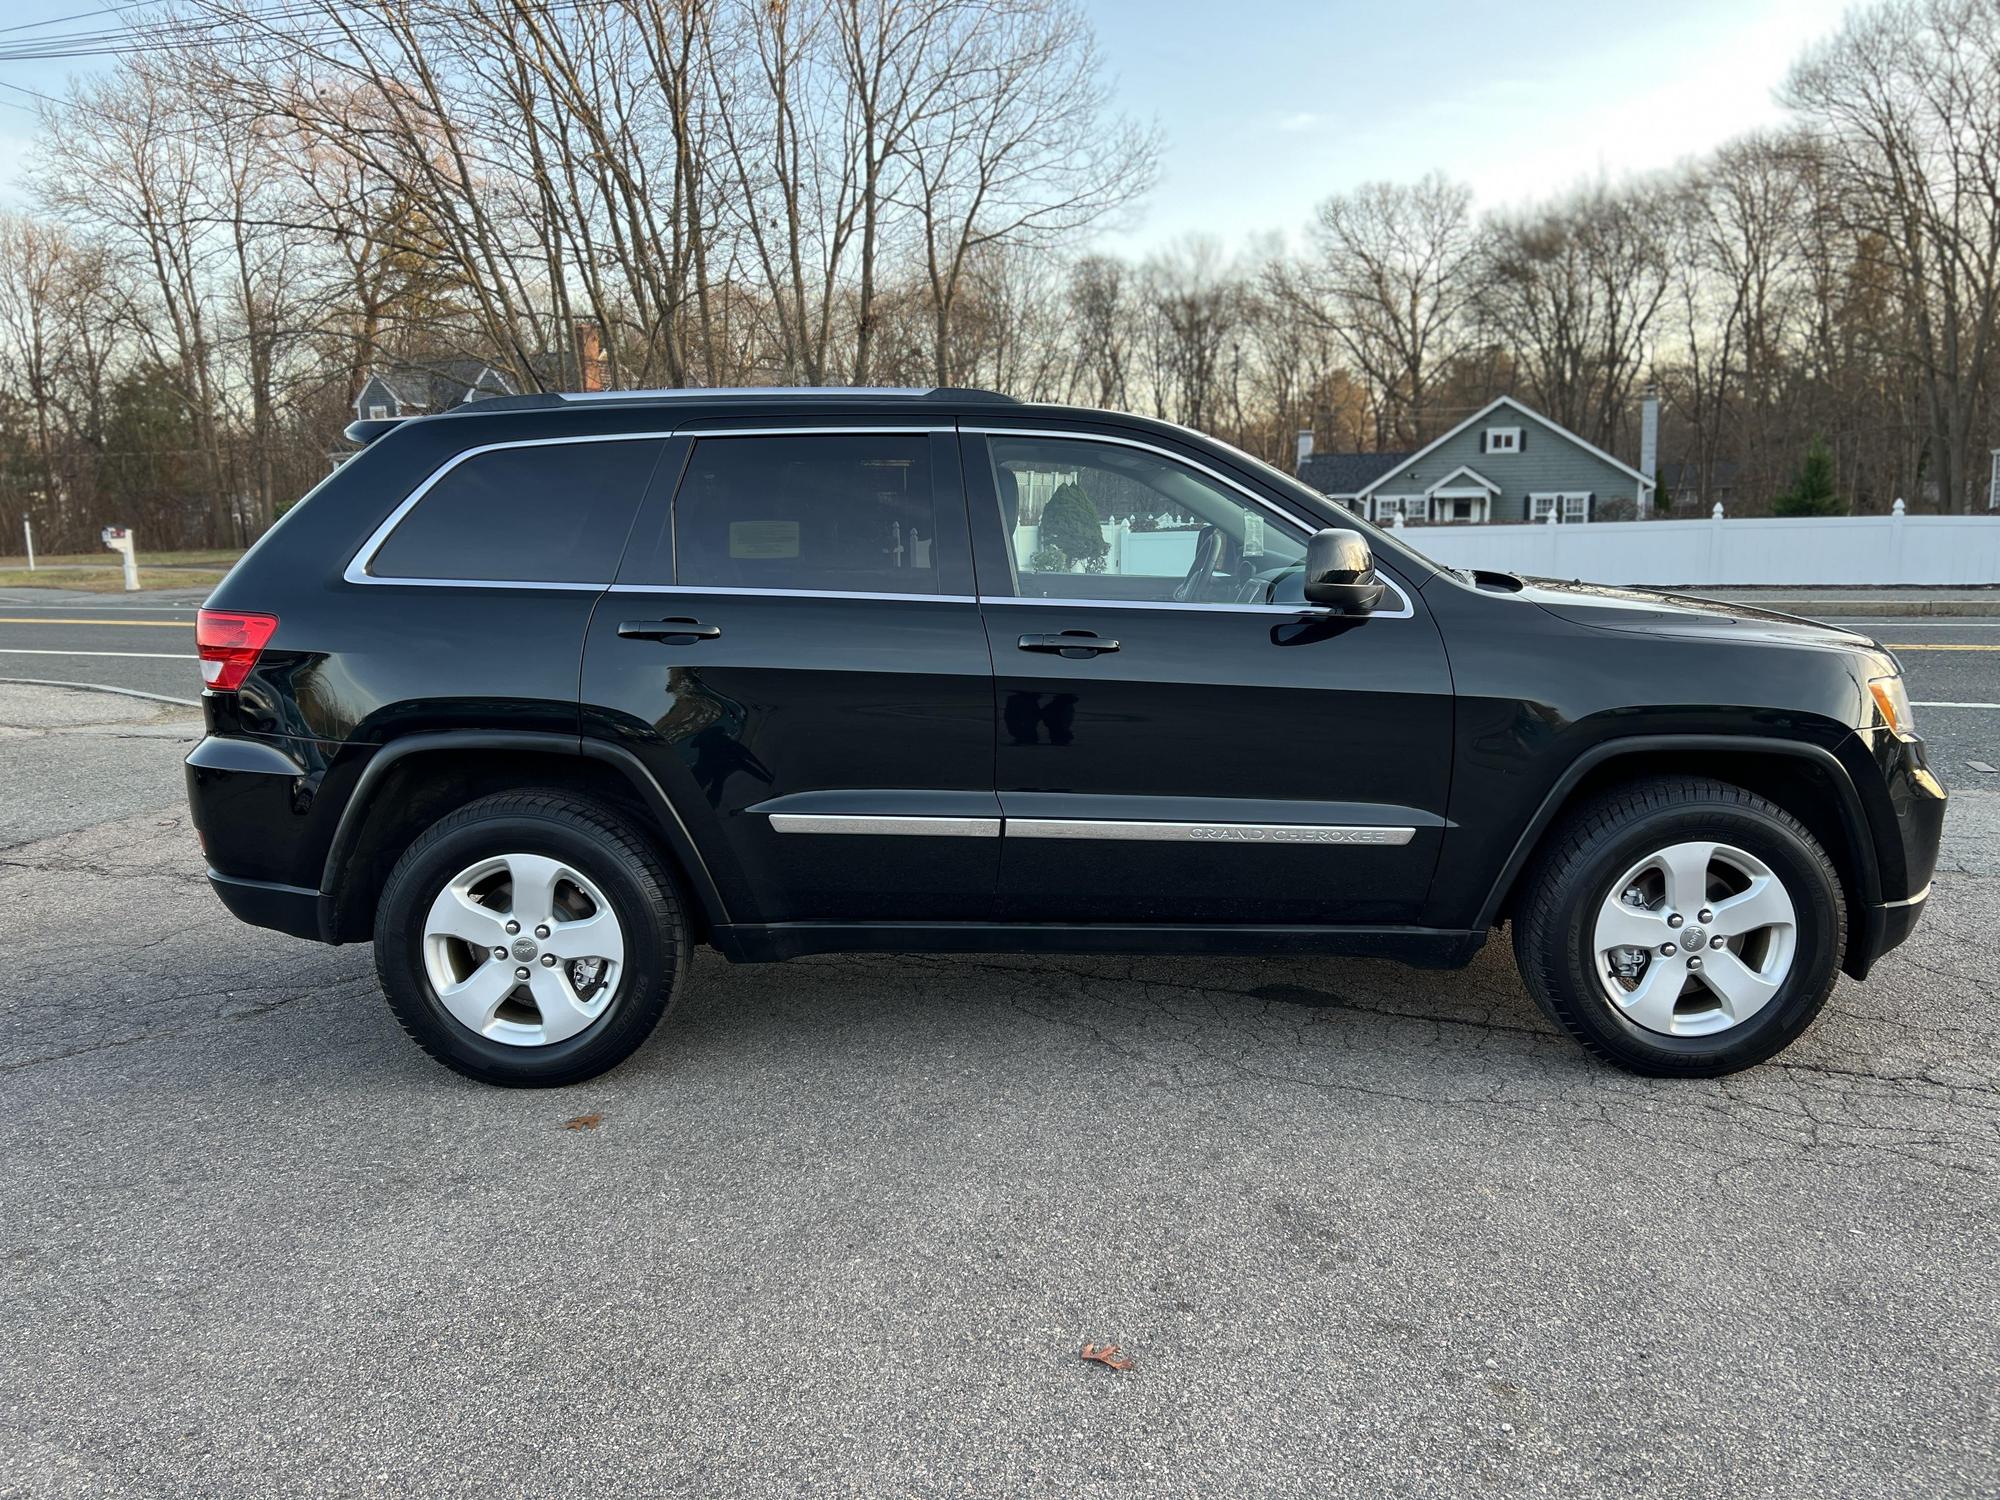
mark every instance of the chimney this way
{"type": "Point", "coordinates": [1305, 448]}
{"type": "Point", "coordinates": [1649, 446]}
{"type": "Point", "coordinates": [589, 357]}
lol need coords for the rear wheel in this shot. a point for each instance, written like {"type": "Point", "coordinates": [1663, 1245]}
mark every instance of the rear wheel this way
{"type": "Point", "coordinates": [1681, 928]}
{"type": "Point", "coordinates": [527, 939]}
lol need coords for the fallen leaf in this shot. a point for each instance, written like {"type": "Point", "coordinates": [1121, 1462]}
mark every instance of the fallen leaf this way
{"type": "Point", "coordinates": [584, 1122]}
{"type": "Point", "coordinates": [1109, 1355]}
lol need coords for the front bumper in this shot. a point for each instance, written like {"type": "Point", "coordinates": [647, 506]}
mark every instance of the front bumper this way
{"type": "Point", "coordinates": [1908, 818]}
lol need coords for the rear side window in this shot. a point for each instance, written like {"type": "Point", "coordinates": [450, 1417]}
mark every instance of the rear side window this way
{"type": "Point", "coordinates": [545, 513]}
{"type": "Point", "coordinates": [848, 512]}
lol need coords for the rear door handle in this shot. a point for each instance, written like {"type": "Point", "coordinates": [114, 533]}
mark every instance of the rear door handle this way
{"type": "Point", "coordinates": [1078, 645]}
{"type": "Point", "coordinates": [679, 629]}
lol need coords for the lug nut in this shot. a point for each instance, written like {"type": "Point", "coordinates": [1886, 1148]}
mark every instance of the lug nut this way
{"type": "Point", "coordinates": [1705, 915]}
{"type": "Point", "coordinates": [522, 972]}
{"type": "Point", "coordinates": [1694, 963]}
{"type": "Point", "coordinates": [499, 952]}
{"type": "Point", "coordinates": [512, 928]}
{"type": "Point", "coordinates": [548, 960]}
{"type": "Point", "coordinates": [1668, 950]}
{"type": "Point", "coordinates": [1675, 919]}
{"type": "Point", "coordinates": [542, 931]}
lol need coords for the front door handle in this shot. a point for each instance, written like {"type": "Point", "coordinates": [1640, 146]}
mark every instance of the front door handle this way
{"type": "Point", "coordinates": [680, 628]}
{"type": "Point", "coordinates": [1078, 645]}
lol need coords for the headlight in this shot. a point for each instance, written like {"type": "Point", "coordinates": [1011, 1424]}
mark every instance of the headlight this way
{"type": "Point", "coordinates": [1893, 699]}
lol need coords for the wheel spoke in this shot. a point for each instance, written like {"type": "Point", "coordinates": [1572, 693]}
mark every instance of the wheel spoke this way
{"type": "Point", "coordinates": [1651, 1004]}
{"type": "Point", "coordinates": [595, 936]}
{"type": "Point", "coordinates": [563, 1014]}
{"type": "Point", "coordinates": [473, 1002]}
{"type": "Point", "coordinates": [1741, 989]}
{"type": "Point", "coordinates": [455, 914]}
{"type": "Point", "coordinates": [1622, 926]}
{"type": "Point", "coordinates": [1686, 869]}
{"type": "Point", "coordinates": [534, 877]}
{"type": "Point", "coordinates": [1764, 904]}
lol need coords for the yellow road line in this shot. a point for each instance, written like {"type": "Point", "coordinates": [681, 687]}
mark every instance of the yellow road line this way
{"type": "Point", "coordinates": [47, 620]}
{"type": "Point", "coordinates": [1934, 646]}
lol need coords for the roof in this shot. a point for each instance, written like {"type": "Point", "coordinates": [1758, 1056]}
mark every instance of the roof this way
{"type": "Point", "coordinates": [1533, 416]}
{"type": "Point", "coordinates": [1348, 473]}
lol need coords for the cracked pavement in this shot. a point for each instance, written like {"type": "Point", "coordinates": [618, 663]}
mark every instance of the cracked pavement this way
{"type": "Point", "coordinates": [847, 1222]}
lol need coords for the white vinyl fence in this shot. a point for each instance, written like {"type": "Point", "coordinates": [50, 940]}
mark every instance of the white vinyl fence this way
{"type": "Point", "coordinates": [1803, 550]}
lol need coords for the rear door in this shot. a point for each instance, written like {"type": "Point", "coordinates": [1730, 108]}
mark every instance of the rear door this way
{"type": "Point", "coordinates": [793, 647]}
{"type": "Point", "coordinates": [1180, 740]}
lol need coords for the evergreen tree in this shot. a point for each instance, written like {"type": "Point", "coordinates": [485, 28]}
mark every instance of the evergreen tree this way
{"type": "Point", "coordinates": [1812, 491]}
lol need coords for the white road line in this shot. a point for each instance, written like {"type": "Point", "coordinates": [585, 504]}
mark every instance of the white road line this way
{"type": "Point", "coordinates": [1942, 704]}
{"type": "Point", "coordinates": [130, 655]}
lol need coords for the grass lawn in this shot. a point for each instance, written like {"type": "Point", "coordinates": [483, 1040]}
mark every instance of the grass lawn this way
{"type": "Point", "coordinates": [219, 558]}
{"type": "Point", "coordinates": [107, 580]}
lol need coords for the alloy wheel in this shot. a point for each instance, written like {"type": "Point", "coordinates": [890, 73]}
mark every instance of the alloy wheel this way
{"type": "Point", "coordinates": [523, 949]}
{"type": "Point", "coordinates": [1694, 939]}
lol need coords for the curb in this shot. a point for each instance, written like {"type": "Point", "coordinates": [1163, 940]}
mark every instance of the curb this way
{"type": "Point", "coordinates": [1873, 609]}
{"type": "Point", "coordinates": [99, 687]}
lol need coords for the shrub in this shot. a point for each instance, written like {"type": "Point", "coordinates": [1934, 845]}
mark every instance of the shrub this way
{"type": "Point", "coordinates": [1070, 522]}
{"type": "Point", "coordinates": [1048, 559]}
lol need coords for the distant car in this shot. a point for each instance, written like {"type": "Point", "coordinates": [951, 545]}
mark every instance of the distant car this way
{"type": "Point", "coordinates": [539, 693]}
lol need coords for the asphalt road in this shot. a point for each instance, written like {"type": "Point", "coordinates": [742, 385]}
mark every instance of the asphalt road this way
{"type": "Point", "coordinates": [844, 1224]}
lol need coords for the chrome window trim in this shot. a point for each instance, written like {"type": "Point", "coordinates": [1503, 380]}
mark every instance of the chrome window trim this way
{"type": "Point", "coordinates": [907, 825]}
{"type": "Point", "coordinates": [758, 593]}
{"type": "Point", "coordinates": [364, 557]}
{"type": "Point", "coordinates": [1404, 613]}
{"type": "Point", "coordinates": [1361, 835]}
{"type": "Point", "coordinates": [1408, 610]}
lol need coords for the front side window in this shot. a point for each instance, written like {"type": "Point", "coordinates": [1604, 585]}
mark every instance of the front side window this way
{"type": "Point", "coordinates": [538, 513]}
{"type": "Point", "coordinates": [1092, 520]}
{"type": "Point", "coordinates": [843, 513]}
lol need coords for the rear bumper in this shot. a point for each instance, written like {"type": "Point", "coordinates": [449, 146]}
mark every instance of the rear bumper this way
{"type": "Point", "coordinates": [264, 903]}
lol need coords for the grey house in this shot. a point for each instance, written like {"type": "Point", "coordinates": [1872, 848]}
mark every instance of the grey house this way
{"type": "Point", "coordinates": [412, 390]}
{"type": "Point", "coordinates": [1506, 462]}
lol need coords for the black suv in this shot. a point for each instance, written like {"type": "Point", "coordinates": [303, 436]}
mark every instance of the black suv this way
{"type": "Point", "coordinates": [538, 693]}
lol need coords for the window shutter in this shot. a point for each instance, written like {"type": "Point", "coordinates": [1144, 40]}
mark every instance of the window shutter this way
{"type": "Point", "coordinates": [1482, 440]}
{"type": "Point", "coordinates": [1521, 442]}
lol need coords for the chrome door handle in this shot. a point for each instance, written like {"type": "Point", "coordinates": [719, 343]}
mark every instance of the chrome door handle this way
{"type": "Point", "coordinates": [678, 629]}
{"type": "Point", "coordinates": [1078, 645]}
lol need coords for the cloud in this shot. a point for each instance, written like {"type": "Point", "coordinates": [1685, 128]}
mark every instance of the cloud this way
{"type": "Point", "coordinates": [1304, 120]}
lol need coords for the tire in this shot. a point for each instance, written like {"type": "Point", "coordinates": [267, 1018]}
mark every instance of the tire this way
{"type": "Point", "coordinates": [571, 1020]}
{"type": "Point", "coordinates": [1594, 881]}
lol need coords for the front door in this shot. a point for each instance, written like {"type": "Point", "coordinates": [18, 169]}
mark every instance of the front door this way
{"type": "Point", "coordinates": [793, 647]}
{"type": "Point", "coordinates": [1176, 744]}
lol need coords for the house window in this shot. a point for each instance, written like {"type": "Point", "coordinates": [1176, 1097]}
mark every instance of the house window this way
{"type": "Point", "coordinates": [378, 413]}
{"type": "Point", "coordinates": [1570, 508]}
{"type": "Point", "coordinates": [1503, 440]}
{"type": "Point", "coordinates": [1409, 507]}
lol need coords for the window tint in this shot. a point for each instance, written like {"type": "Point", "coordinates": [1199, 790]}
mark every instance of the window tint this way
{"type": "Point", "coordinates": [1092, 520]}
{"type": "Point", "coordinates": [554, 513]}
{"type": "Point", "coordinates": [849, 511]}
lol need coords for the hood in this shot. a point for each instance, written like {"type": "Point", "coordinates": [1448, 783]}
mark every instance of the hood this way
{"type": "Point", "coordinates": [1656, 612]}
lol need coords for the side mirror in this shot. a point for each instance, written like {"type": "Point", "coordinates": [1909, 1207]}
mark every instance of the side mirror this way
{"type": "Point", "coordinates": [1340, 572]}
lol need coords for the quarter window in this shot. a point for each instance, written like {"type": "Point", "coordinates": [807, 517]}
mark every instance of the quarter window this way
{"type": "Point", "coordinates": [1089, 520]}
{"type": "Point", "coordinates": [847, 512]}
{"type": "Point", "coordinates": [538, 513]}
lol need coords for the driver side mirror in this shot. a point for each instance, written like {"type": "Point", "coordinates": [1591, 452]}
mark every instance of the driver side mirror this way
{"type": "Point", "coordinates": [1340, 572]}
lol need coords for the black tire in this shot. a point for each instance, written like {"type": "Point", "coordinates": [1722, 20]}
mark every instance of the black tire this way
{"type": "Point", "coordinates": [585, 836]}
{"type": "Point", "coordinates": [1593, 847]}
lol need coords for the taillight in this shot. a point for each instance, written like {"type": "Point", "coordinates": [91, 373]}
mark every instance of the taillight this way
{"type": "Point", "coordinates": [229, 644]}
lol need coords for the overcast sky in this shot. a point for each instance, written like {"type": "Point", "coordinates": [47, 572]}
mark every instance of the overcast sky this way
{"type": "Point", "coordinates": [1267, 106]}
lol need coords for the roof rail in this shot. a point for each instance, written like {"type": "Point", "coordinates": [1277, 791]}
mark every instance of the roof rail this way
{"type": "Point", "coordinates": [789, 392]}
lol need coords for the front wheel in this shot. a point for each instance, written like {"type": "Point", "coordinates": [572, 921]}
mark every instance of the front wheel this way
{"type": "Point", "coordinates": [1682, 928]}
{"type": "Point", "coordinates": [529, 940]}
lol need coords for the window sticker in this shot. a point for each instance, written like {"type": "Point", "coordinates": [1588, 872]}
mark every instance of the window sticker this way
{"type": "Point", "coordinates": [1253, 535]}
{"type": "Point", "coordinates": [763, 538]}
